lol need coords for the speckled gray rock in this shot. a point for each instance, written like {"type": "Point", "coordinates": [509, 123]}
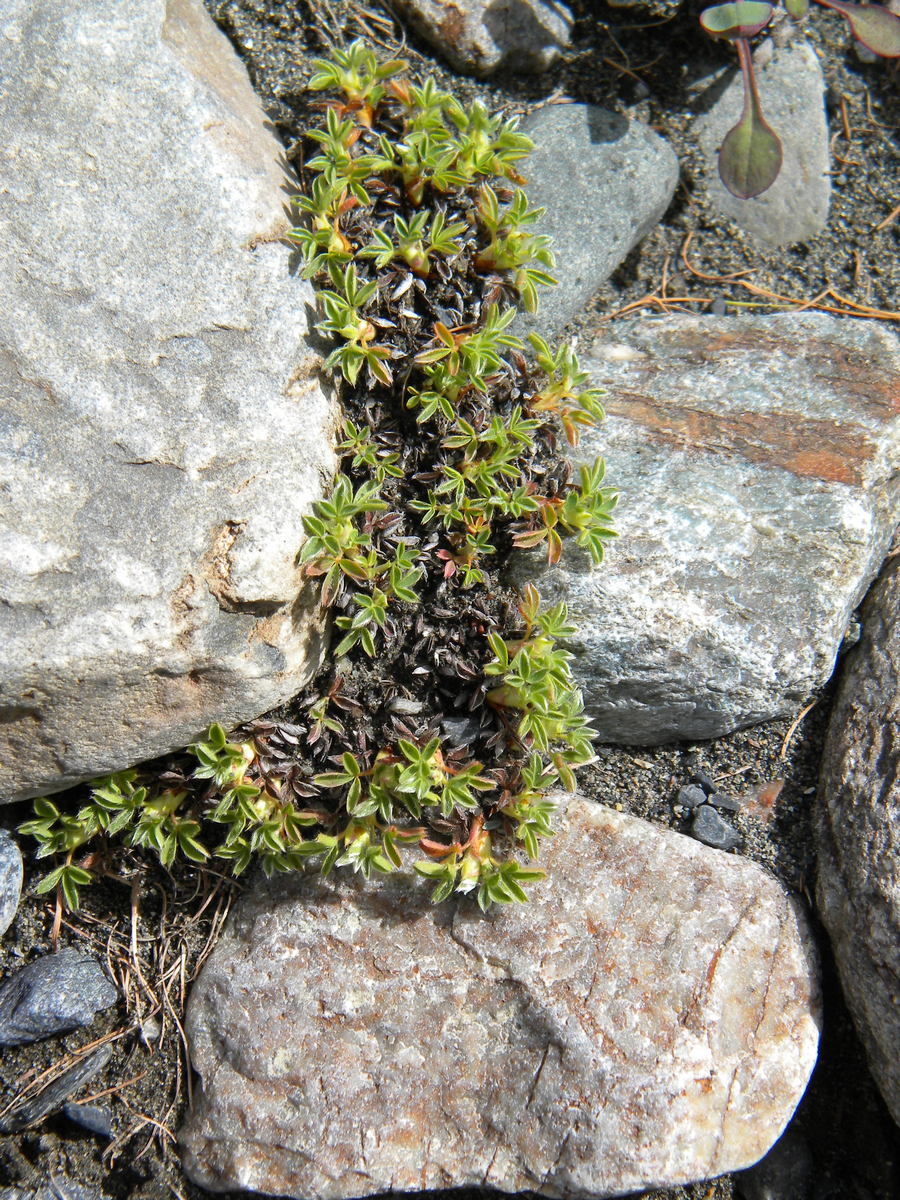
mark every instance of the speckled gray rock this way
{"type": "Point", "coordinates": [52, 994]}
{"type": "Point", "coordinates": [858, 833]}
{"type": "Point", "coordinates": [758, 461]}
{"type": "Point", "coordinates": [163, 430]}
{"type": "Point", "coordinates": [480, 37]}
{"type": "Point", "coordinates": [795, 207]}
{"type": "Point", "coordinates": [10, 880]}
{"type": "Point", "coordinates": [650, 1017]}
{"type": "Point", "coordinates": [605, 182]}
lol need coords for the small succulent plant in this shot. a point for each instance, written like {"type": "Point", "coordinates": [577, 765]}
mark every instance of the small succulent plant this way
{"type": "Point", "coordinates": [750, 156]}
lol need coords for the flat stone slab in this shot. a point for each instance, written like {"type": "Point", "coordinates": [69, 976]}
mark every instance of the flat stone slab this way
{"type": "Point", "coordinates": [605, 183]}
{"type": "Point", "coordinates": [163, 429]}
{"type": "Point", "coordinates": [649, 1017]}
{"type": "Point", "coordinates": [858, 833]}
{"type": "Point", "coordinates": [758, 464]}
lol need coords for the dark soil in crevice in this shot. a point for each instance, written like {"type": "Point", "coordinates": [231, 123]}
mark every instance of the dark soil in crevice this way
{"type": "Point", "coordinates": [648, 70]}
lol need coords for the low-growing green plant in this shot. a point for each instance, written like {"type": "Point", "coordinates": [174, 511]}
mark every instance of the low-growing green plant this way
{"type": "Point", "coordinates": [416, 241]}
{"type": "Point", "coordinates": [408, 187]}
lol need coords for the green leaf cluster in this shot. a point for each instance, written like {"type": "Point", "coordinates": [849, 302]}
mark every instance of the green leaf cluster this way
{"type": "Point", "coordinates": [535, 679]}
{"type": "Point", "coordinates": [447, 170]}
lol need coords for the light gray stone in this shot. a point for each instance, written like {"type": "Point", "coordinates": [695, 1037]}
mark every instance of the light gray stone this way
{"type": "Point", "coordinates": [649, 1017]}
{"type": "Point", "coordinates": [163, 428]}
{"type": "Point", "coordinates": [605, 182]}
{"type": "Point", "coordinates": [480, 37]}
{"type": "Point", "coordinates": [858, 833]}
{"type": "Point", "coordinates": [51, 995]}
{"type": "Point", "coordinates": [10, 880]}
{"type": "Point", "coordinates": [792, 91]}
{"type": "Point", "coordinates": [758, 462]}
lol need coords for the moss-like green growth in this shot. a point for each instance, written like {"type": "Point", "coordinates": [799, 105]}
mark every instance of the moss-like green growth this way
{"type": "Point", "coordinates": [417, 233]}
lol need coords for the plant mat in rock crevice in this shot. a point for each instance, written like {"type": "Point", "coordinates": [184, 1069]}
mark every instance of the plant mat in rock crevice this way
{"type": "Point", "coordinates": [657, 71]}
{"type": "Point", "coordinates": [845, 1122]}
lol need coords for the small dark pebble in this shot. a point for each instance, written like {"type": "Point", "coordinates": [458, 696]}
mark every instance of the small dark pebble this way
{"type": "Point", "coordinates": [55, 1093]}
{"type": "Point", "coordinates": [718, 307]}
{"type": "Point", "coordinates": [51, 995]}
{"type": "Point", "coordinates": [727, 803]}
{"type": "Point", "coordinates": [690, 796]}
{"type": "Point", "coordinates": [714, 830]}
{"type": "Point", "coordinates": [703, 780]}
{"type": "Point", "coordinates": [91, 1117]}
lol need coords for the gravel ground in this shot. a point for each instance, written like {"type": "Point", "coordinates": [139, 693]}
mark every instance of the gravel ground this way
{"type": "Point", "coordinates": [153, 928]}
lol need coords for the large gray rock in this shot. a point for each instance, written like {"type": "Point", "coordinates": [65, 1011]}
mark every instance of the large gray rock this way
{"type": "Point", "coordinates": [795, 207]}
{"type": "Point", "coordinates": [163, 429]}
{"type": "Point", "coordinates": [605, 182]}
{"type": "Point", "coordinates": [858, 833]}
{"type": "Point", "coordinates": [758, 461]}
{"type": "Point", "coordinates": [480, 37]}
{"type": "Point", "coordinates": [650, 1017]}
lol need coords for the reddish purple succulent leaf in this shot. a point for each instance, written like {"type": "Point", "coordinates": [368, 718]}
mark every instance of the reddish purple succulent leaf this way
{"type": "Point", "coordinates": [750, 157]}
{"type": "Point", "coordinates": [874, 26]}
{"type": "Point", "coordinates": [742, 19]}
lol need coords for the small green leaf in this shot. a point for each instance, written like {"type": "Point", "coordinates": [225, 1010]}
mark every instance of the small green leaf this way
{"type": "Point", "coordinates": [874, 26]}
{"type": "Point", "coordinates": [750, 157]}
{"type": "Point", "coordinates": [740, 20]}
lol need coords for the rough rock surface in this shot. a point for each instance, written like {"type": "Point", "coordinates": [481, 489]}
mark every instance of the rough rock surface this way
{"type": "Point", "coordinates": [758, 463]}
{"type": "Point", "coordinates": [795, 207]}
{"type": "Point", "coordinates": [479, 37]}
{"type": "Point", "coordinates": [163, 430]}
{"type": "Point", "coordinates": [605, 182]}
{"type": "Point", "coordinates": [858, 833]}
{"type": "Point", "coordinates": [52, 994]}
{"type": "Point", "coordinates": [650, 1017]}
{"type": "Point", "coordinates": [10, 880]}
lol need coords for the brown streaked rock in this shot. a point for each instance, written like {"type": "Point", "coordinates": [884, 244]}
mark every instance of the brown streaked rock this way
{"type": "Point", "coordinates": [858, 833]}
{"type": "Point", "coordinates": [480, 37]}
{"type": "Point", "coordinates": [758, 465]}
{"type": "Point", "coordinates": [164, 428]}
{"type": "Point", "coordinates": [650, 1017]}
